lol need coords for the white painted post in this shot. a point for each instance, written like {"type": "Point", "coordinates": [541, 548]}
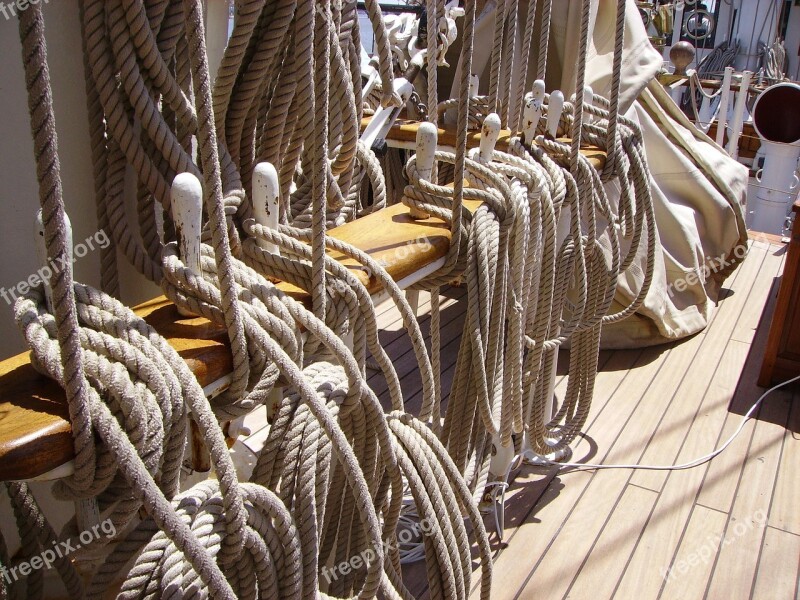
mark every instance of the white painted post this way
{"type": "Point", "coordinates": [187, 212]}
{"type": "Point", "coordinates": [532, 113]}
{"type": "Point", "coordinates": [738, 115]}
{"type": "Point", "coordinates": [490, 132]}
{"type": "Point", "coordinates": [427, 138]}
{"type": "Point", "coordinates": [554, 110]}
{"type": "Point", "coordinates": [588, 100]}
{"type": "Point", "coordinates": [266, 200]}
{"type": "Point", "coordinates": [724, 103]}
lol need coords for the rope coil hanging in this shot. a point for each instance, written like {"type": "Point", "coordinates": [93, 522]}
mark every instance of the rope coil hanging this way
{"type": "Point", "coordinates": [338, 475]}
{"type": "Point", "coordinates": [245, 531]}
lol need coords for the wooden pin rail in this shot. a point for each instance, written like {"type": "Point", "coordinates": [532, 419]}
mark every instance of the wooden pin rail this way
{"type": "Point", "coordinates": [404, 133]}
{"type": "Point", "coordinates": [35, 433]}
{"type": "Point", "coordinates": [670, 80]}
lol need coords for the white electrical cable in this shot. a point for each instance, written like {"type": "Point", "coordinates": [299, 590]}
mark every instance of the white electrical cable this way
{"type": "Point", "coordinates": [687, 465]}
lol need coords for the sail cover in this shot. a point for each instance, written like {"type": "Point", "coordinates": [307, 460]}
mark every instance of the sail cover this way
{"type": "Point", "coordinates": [699, 191]}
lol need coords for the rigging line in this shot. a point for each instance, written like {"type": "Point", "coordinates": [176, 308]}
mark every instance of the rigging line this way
{"type": "Point", "coordinates": [686, 465]}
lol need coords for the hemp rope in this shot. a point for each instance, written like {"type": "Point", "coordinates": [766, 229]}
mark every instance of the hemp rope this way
{"type": "Point", "coordinates": [227, 540]}
{"type": "Point", "coordinates": [246, 531]}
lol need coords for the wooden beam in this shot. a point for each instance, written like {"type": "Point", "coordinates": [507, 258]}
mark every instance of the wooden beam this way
{"type": "Point", "coordinates": [405, 131]}
{"type": "Point", "coordinates": [35, 433]}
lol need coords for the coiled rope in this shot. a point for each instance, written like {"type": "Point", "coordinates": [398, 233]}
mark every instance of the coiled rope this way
{"type": "Point", "coordinates": [221, 537]}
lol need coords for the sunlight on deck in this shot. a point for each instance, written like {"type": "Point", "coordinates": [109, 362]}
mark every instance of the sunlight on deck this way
{"type": "Point", "coordinates": [728, 529]}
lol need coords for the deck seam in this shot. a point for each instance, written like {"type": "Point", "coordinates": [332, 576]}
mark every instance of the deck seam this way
{"type": "Point", "coordinates": [774, 487]}
{"type": "Point", "coordinates": [716, 444]}
{"type": "Point", "coordinates": [638, 539]}
{"type": "Point", "coordinates": [593, 475]}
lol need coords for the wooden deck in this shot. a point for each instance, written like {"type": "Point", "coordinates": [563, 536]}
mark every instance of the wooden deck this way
{"type": "Point", "coordinates": [728, 529]}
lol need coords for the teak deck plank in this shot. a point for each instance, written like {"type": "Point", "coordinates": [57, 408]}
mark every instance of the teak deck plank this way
{"type": "Point", "coordinates": [600, 497]}
{"type": "Point", "coordinates": [695, 382]}
{"type": "Point", "coordinates": [656, 549]}
{"type": "Point", "coordinates": [544, 529]}
{"type": "Point", "coordinates": [776, 578]}
{"type": "Point", "coordinates": [405, 361]}
{"type": "Point", "coordinates": [603, 567]}
{"type": "Point", "coordinates": [783, 513]}
{"type": "Point", "coordinates": [700, 413]}
{"type": "Point", "coordinates": [688, 576]}
{"type": "Point", "coordinates": [719, 486]}
{"type": "Point", "coordinates": [750, 320]}
{"type": "Point", "coordinates": [737, 561]}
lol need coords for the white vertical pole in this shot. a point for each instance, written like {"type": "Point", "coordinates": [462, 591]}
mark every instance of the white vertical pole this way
{"type": "Point", "coordinates": [266, 198]}
{"type": "Point", "coordinates": [216, 33]}
{"type": "Point", "coordinates": [678, 27]}
{"type": "Point", "coordinates": [738, 116]}
{"type": "Point", "coordinates": [474, 83]}
{"type": "Point", "coordinates": [724, 103]}
{"type": "Point", "coordinates": [588, 100]}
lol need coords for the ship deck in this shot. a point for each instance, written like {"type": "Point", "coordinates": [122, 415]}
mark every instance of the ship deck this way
{"type": "Point", "coordinates": [727, 529]}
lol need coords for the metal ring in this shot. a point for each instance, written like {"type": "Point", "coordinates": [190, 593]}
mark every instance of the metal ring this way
{"type": "Point", "coordinates": [700, 13]}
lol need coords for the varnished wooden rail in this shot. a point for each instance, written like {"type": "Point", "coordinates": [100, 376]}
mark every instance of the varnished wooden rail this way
{"type": "Point", "coordinates": [404, 133]}
{"type": "Point", "coordinates": [35, 433]}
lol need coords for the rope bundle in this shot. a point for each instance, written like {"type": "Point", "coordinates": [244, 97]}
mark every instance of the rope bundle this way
{"type": "Point", "coordinates": [531, 289]}
{"type": "Point", "coordinates": [337, 476]}
{"type": "Point", "coordinates": [221, 537]}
